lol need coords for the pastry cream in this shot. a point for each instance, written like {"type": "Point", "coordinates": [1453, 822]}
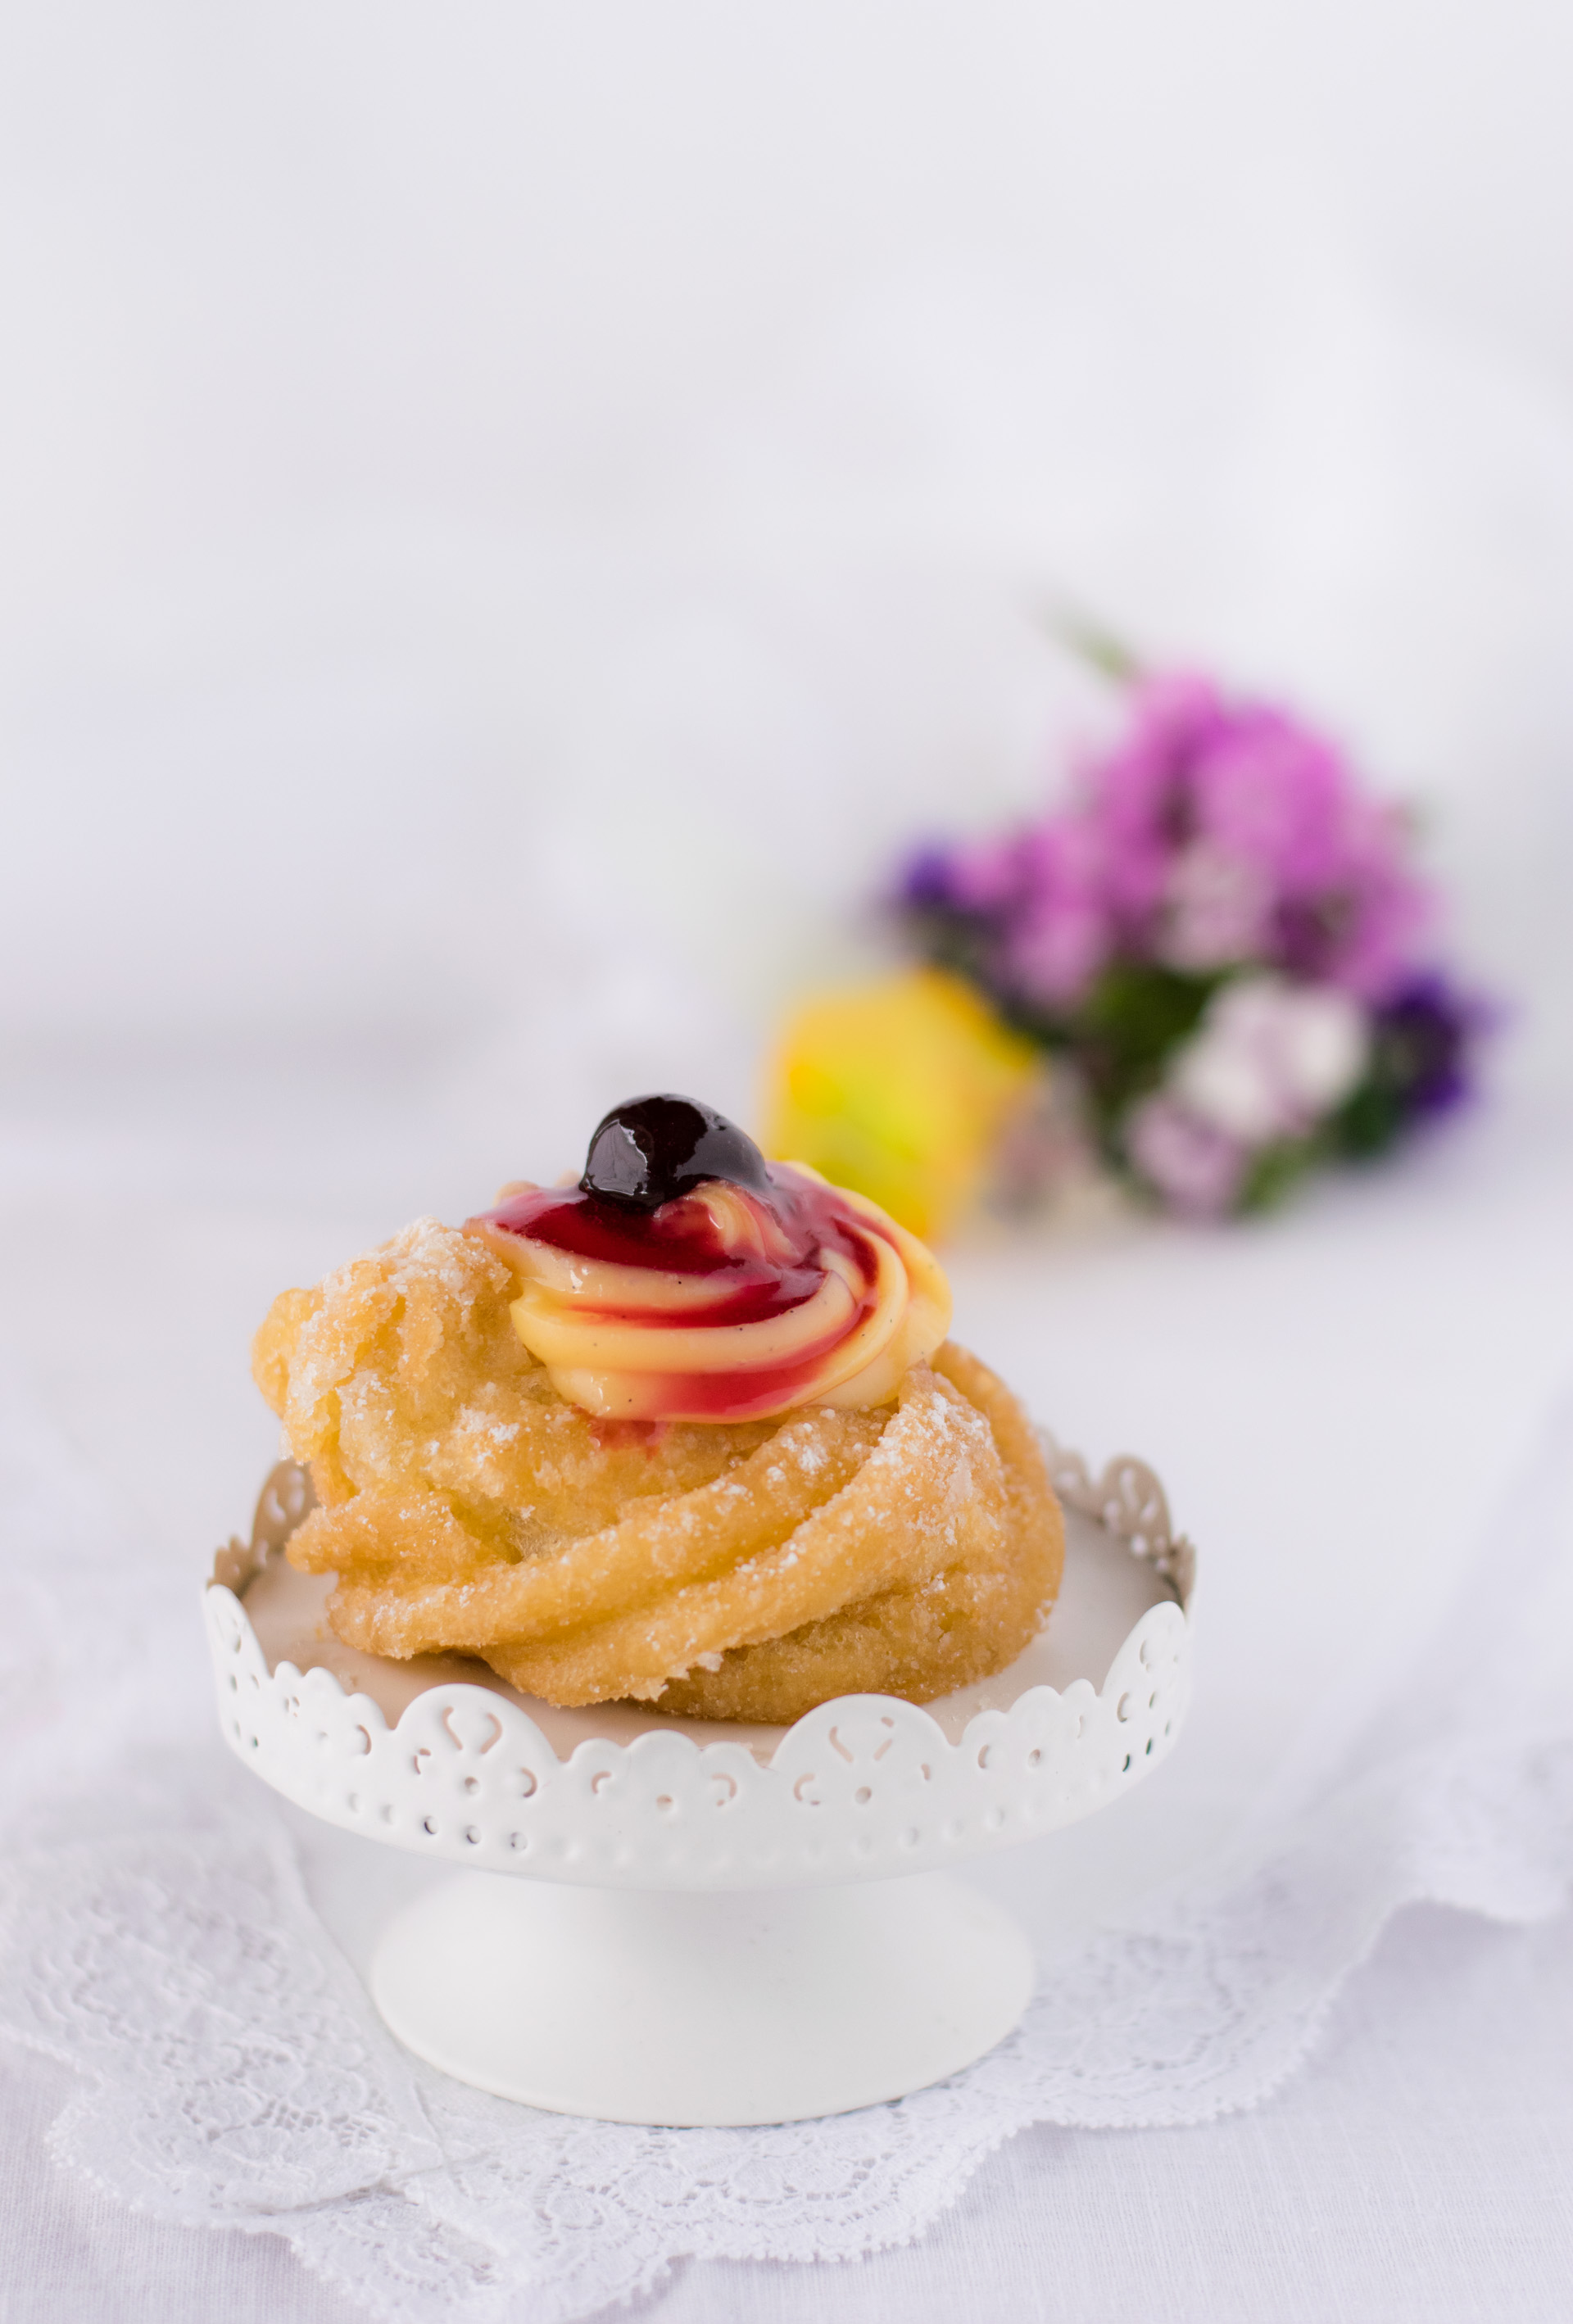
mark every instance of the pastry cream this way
{"type": "Point", "coordinates": [722, 1304]}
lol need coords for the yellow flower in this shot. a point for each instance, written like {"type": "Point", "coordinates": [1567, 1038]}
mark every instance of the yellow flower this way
{"type": "Point", "coordinates": [898, 1089]}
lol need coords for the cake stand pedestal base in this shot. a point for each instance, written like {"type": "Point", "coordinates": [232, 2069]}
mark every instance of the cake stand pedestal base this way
{"type": "Point", "coordinates": [690, 2009]}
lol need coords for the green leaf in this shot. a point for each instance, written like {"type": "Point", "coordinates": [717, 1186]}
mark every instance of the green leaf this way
{"type": "Point", "coordinates": [1275, 1170]}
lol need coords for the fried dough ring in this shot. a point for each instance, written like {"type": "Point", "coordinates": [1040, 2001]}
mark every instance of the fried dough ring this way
{"type": "Point", "coordinates": [961, 1614]}
{"type": "Point", "coordinates": [741, 1571]}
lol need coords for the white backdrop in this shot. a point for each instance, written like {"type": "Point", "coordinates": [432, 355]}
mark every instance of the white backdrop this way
{"type": "Point", "coordinates": [508, 510]}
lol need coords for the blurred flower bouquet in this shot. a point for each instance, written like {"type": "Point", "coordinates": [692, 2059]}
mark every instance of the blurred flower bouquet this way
{"type": "Point", "coordinates": [1221, 942]}
{"type": "Point", "coordinates": [1222, 932]}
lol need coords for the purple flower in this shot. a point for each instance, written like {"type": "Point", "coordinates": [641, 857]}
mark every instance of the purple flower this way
{"type": "Point", "coordinates": [1054, 950]}
{"type": "Point", "coordinates": [1198, 1169]}
{"type": "Point", "coordinates": [992, 876]}
{"type": "Point", "coordinates": [1219, 909]}
{"type": "Point", "coordinates": [1274, 853]}
{"type": "Point", "coordinates": [1062, 930]}
{"type": "Point", "coordinates": [1425, 1034]}
{"type": "Point", "coordinates": [925, 885]}
{"type": "Point", "coordinates": [1214, 834]}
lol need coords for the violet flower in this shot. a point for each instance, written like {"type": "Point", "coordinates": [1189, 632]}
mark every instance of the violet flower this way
{"type": "Point", "coordinates": [1214, 834]}
{"type": "Point", "coordinates": [1220, 928]}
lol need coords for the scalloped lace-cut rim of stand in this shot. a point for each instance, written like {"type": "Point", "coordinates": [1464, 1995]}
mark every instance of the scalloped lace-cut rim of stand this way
{"type": "Point", "coordinates": [865, 1786]}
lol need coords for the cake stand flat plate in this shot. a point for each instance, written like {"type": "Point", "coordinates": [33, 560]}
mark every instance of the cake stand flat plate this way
{"type": "Point", "coordinates": [439, 1756]}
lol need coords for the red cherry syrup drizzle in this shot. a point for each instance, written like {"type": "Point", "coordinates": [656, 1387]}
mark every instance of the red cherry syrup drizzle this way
{"type": "Point", "coordinates": [628, 1211]}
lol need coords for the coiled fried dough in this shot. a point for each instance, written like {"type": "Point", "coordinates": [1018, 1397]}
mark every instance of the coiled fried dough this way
{"type": "Point", "coordinates": [733, 1571]}
{"type": "Point", "coordinates": [961, 1502]}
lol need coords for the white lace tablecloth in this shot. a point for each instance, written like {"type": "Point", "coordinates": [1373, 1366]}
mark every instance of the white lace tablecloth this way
{"type": "Point", "coordinates": [1357, 1413]}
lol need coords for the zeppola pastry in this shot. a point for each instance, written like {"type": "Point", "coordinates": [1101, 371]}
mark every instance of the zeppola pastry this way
{"type": "Point", "coordinates": [690, 1431]}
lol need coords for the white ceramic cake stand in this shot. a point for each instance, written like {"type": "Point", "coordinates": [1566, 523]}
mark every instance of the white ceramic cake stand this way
{"type": "Point", "coordinates": [665, 1920]}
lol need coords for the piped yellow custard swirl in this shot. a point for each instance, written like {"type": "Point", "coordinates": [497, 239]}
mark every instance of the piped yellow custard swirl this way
{"type": "Point", "coordinates": [722, 1304]}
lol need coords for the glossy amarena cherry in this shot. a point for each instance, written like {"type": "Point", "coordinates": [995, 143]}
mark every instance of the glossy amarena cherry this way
{"type": "Point", "coordinates": [649, 1150]}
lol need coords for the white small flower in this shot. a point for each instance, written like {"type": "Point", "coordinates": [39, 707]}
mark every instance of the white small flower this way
{"type": "Point", "coordinates": [1270, 1057]}
{"type": "Point", "coordinates": [1194, 1166]}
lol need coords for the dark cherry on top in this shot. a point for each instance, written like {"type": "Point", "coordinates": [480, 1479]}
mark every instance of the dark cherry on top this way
{"type": "Point", "coordinates": [649, 1149]}
{"type": "Point", "coordinates": [643, 1157]}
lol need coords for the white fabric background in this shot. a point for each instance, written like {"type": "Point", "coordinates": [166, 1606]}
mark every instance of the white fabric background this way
{"type": "Point", "coordinates": [505, 520]}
